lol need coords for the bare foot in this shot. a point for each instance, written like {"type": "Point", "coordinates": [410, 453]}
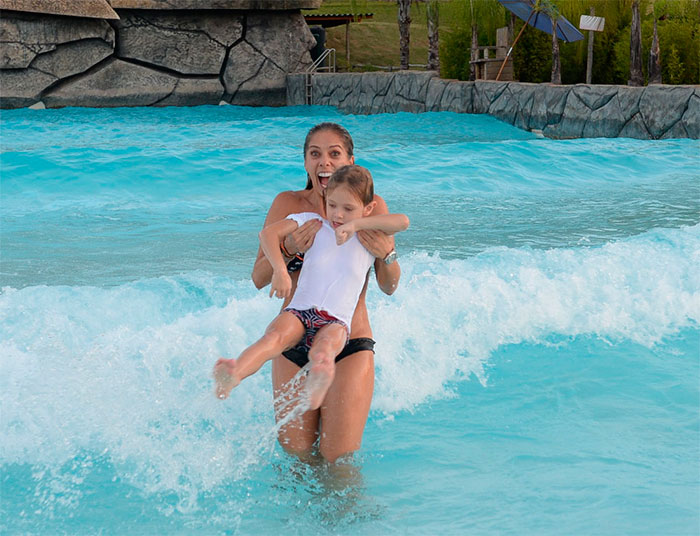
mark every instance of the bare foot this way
{"type": "Point", "coordinates": [226, 377]}
{"type": "Point", "coordinates": [318, 381]}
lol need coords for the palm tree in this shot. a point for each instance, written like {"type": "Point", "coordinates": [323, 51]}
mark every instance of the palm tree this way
{"type": "Point", "coordinates": [433, 38]}
{"type": "Point", "coordinates": [549, 9]}
{"type": "Point", "coordinates": [404, 30]}
{"type": "Point", "coordinates": [655, 59]}
{"type": "Point", "coordinates": [636, 76]}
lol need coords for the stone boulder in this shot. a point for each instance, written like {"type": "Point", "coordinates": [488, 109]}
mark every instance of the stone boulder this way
{"type": "Point", "coordinates": [608, 120]}
{"type": "Point", "coordinates": [486, 92]}
{"type": "Point", "coordinates": [195, 44]}
{"type": "Point", "coordinates": [275, 44]}
{"type": "Point", "coordinates": [662, 107]}
{"type": "Point", "coordinates": [37, 51]}
{"type": "Point", "coordinates": [691, 117]}
{"type": "Point", "coordinates": [449, 96]}
{"type": "Point", "coordinates": [370, 93]}
{"type": "Point", "coordinates": [410, 90]}
{"type": "Point", "coordinates": [333, 90]}
{"type": "Point", "coordinates": [119, 83]}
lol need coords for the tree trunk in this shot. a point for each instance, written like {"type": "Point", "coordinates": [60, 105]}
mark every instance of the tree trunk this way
{"type": "Point", "coordinates": [475, 52]}
{"type": "Point", "coordinates": [556, 60]}
{"type": "Point", "coordinates": [655, 59]}
{"type": "Point", "coordinates": [404, 31]}
{"type": "Point", "coordinates": [433, 39]}
{"type": "Point", "coordinates": [636, 76]}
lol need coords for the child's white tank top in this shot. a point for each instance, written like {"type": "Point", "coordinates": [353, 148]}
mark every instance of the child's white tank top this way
{"type": "Point", "coordinates": [332, 276]}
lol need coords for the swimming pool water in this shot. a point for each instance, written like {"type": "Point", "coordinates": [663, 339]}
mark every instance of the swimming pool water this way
{"type": "Point", "coordinates": [537, 371]}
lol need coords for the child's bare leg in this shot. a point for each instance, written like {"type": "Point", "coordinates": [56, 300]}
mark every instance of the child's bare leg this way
{"type": "Point", "coordinates": [283, 332]}
{"type": "Point", "coordinates": [328, 343]}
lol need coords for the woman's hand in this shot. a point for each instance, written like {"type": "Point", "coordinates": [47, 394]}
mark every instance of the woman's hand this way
{"type": "Point", "coordinates": [300, 240]}
{"type": "Point", "coordinates": [377, 243]}
{"type": "Point", "coordinates": [281, 284]}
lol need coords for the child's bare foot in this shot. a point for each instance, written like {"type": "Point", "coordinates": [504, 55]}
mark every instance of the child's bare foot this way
{"type": "Point", "coordinates": [318, 381]}
{"type": "Point", "coordinates": [226, 377]}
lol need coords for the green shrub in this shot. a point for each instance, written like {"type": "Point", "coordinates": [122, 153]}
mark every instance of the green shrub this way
{"type": "Point", "coordinates": [679, 39]}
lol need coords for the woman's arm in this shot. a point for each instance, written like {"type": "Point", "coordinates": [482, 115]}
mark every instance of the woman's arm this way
{"type": "Point", "coordinates": [300, 240]}
{"type": "Point", "coordinates": [270, 237]}
{"type": "Point", "coordinates": [380, 245]}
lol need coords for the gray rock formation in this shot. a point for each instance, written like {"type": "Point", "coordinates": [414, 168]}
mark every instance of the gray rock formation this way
{"type": "Point", "coordinates": [119, 83]}
{"type": "Point", "coordinates": [37, 51]}
{"type": "Point", "coordinates": [168, 54]}
{"type": "Point", "coordinates": [257, 66]}
{"type": "Point", "coordinates": [652, 112]}
{"type": "Point", "coordinates": [196, 44]}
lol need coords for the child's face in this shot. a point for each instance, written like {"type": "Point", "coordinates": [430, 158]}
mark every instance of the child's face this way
{"type": "Point", "coordinates": [343, 206]}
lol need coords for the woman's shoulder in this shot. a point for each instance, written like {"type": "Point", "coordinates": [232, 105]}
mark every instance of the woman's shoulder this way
{"type": "Point", "coordinates": [292, 197]}
{"type": "Point", "coordinates": [381, 206]}
{"type": "Point", "coordinates": [286, 203]}
{"type": "Point", "coordinates": [290, 201]}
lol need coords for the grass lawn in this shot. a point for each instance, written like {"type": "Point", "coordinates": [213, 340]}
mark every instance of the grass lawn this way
{"type": "Point", "coordinates": [375, 41]}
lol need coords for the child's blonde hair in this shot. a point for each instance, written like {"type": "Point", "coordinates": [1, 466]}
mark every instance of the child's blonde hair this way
{"type": "Point", "coordinates": [357, 179]}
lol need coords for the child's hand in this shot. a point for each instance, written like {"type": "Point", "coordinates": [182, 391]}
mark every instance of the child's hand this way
{"type": "Point", "coordinates": [281, 284]}
{"type": "Point", "coordinates": [344, 233]}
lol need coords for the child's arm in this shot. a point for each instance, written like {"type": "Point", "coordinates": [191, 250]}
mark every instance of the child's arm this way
{"type": "Point", "coordinates": [388, 223]}
{"type": "Point", "coordinates": [270, 237]}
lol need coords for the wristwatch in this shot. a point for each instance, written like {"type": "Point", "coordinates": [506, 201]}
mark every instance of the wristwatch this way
{"type": "Point", "coordinates": [390, 257]}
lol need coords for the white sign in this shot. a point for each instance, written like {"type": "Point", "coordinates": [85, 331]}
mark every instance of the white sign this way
{"type": "Point", "coordinates": [595, 24]}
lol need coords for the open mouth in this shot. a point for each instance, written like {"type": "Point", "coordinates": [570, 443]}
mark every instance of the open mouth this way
{"type": "Point", "coordinates": [323, 179]}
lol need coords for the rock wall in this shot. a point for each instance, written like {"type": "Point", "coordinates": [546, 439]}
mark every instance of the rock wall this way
{"type": "Point", "coordinates": [651, 112]}
{"type": "Point", "coordinates": [154, 57]}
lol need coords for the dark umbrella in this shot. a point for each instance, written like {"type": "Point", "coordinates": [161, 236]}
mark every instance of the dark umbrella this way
{"type": "Point", "coordinates": [530, 11]}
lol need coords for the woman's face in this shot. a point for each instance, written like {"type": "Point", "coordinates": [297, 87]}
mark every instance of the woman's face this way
{"type": "Point", "coordinates": [325, 154]}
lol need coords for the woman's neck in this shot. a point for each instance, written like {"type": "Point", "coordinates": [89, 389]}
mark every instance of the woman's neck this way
{"type": "Point", "coordinates": [317, 202]}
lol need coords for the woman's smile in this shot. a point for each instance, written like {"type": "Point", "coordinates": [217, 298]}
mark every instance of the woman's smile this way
{"type": "Point", "coordinates": [323, 177]}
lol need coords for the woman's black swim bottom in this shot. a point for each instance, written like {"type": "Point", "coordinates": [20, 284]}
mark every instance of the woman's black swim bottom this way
{"type": "Point", "coordinates": [300, 356]}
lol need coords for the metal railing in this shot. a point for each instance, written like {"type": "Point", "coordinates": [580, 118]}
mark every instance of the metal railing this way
{"type": "Point", "coordinates": [325, 62]}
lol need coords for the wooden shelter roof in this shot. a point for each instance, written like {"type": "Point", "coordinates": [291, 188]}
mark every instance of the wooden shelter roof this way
{"type": "Point", "coordinates": [329, 20]}
{"type": "Point", "coordinates": [263, 5]}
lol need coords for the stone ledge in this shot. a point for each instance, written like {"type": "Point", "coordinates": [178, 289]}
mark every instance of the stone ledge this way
{"type": "Point", "coordinates": [93, 9]}
{"type": "Point", "coordinates": [559, 111]}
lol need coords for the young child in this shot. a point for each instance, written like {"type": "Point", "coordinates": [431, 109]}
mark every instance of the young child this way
{"type": "Point", "coordinates": [331, 279]}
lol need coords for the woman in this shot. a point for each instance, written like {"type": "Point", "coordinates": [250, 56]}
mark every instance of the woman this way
{"type": "Point", "coordinates": [340, 421]}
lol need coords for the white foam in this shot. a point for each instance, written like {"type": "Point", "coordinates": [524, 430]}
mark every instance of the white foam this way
{"type": "Point", "coordinates": [124, 372]}
{"type": "Point", "coordinates": [448, 317]}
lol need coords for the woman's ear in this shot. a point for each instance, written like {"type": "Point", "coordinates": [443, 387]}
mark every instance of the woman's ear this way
{"type": "Point", "coordinates": [352, 159]}
{"type": "Point", "coordinates": [368, 209]}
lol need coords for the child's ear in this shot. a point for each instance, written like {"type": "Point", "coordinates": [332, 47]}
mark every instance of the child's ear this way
{"type": "Point", "coordinates": [368, 209]}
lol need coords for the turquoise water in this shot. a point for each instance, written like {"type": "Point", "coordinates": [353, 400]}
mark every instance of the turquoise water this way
{"type": "Point", "coordinates": [538, 369]}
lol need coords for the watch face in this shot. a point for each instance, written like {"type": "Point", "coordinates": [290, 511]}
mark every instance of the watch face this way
{"type": "Point", "coordinates": [391, 257]}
